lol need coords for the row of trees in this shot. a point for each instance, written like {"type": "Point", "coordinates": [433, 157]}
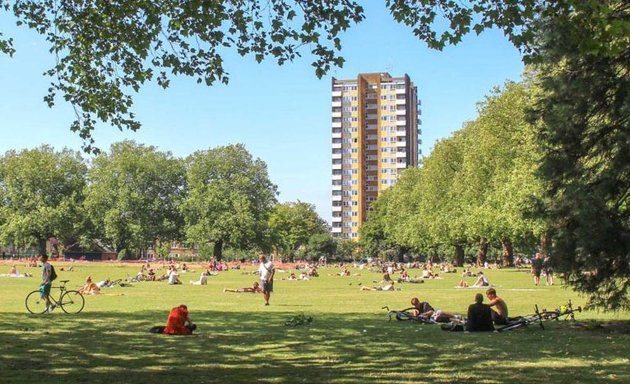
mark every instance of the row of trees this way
{"type": "Point", "coordinates": [135, 196]}
{"type": "Point", "coordinates": [474, 188]}
{"type": "Point", "coordinates": [546, 160]}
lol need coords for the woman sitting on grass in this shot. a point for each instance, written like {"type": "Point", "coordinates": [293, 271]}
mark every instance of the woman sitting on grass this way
{"type": "Point", "coordinates": [203, 279]}
{"type": "Point", "coordinates": [482, 281]}
{"type": "Point", "coordinates": [90, 287]}
{"type": "Point", "coordinates": [253, 289]}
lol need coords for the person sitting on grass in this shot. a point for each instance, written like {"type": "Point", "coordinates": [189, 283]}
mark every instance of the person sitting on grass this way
{"type": "Point", "coordinates": [253, 289]}
{"type": "Point", "coordinates": [387, 287]}
{"type": "Point", "coordinates": [90, 288]}
{"type": "Point", "coordinates": [500, 316]}
{"type": "Point", "coordinates": [203, 279]}
{"type": "Point", "coordinates": [462, 284]}
{"type": "Point", "coordinates": [179, 322]}
{"type": "Point", "coordinates": [173, 277]}
{"type": "Point", "coordinates": [303, 276]}
{"type": "Point", "coordinates": [479, 316]}
{"type": "Point", "coordinates": [482, 281]}
{"type": "Point", "coordinates": [151, 275]}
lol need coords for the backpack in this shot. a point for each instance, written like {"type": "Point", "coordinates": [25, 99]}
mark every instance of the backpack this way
{"type": "Point", "coordinates": [53, 274]}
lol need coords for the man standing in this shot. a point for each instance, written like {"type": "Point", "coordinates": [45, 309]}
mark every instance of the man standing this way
{"type": "Point", "coordinates": [44, 288]}
{"type": "Point", "coordinates": [537, 266]}
{"type": "Point", "coordinates": [266, 272]}
{"type": "Point", "coordinates": [500, 316]}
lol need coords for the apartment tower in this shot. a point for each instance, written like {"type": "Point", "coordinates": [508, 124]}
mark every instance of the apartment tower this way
{"type": "Point", "coordinates": [375, 136]}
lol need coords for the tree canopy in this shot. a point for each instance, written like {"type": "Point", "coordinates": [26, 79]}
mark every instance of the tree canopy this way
{"type": "Point", "coordinates": [133, 197]}
{"type": "Point", "coordinates": [41, 196]}
{"type": "Point", "coordinates": [229, 198]}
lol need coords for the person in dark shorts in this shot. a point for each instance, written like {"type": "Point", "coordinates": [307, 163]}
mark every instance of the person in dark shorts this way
{"type": "Point", "coordinates": [537, 266]}
{"type": "Point", "coordinates": [479, 316]}
{"type": "Point", "coordinates": [266, 272]}
{"type": "Point", "coordinates": [500, 315]}
{"type": "Point", "coordinates": [548, 270]}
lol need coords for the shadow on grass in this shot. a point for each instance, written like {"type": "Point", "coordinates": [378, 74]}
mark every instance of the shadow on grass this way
{"type": "Point", "coordinates": [257, 347]}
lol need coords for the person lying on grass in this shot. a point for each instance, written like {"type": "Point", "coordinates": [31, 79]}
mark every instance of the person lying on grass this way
{"type": "Point", "coordinates": [253, 289]}
{"type": "Point", "coordinates": [424, 309]}
{"type": "Point", "coordinates": [388, 287]}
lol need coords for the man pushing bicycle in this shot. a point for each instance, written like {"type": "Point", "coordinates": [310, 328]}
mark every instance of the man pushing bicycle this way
{"type": "Point", "coordinates": [44, 288]}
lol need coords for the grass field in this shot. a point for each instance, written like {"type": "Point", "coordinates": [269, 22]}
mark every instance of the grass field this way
{"type": "Point", "coordinates": [349, 341]}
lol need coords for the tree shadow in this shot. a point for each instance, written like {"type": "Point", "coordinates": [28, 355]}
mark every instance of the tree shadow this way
{"type": "Point", "coordinates": [103, 347]}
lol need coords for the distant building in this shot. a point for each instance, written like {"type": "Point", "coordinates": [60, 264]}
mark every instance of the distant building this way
{"type": "Point", "coordinates": [375, 136]}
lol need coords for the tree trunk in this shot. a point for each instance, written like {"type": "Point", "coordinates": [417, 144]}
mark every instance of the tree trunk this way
{"type": "Point", "coordinates": [483, 250]}
{"type": "Point", "coordinates": [459, 256]}
{"type": "Point", "coordinates": [401, 254]}
{"type": "Point", "coordinates": [218, 250]}
{"type": "Point", "coordinates": [41, 246]}
{"type": "Point", "coordinates": [545, 244]}
{"type": "Point", "coordinates": [508, 252]}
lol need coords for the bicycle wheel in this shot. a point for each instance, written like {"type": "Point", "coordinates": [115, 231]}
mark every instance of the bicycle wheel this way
{"type": "Point", "coordinates": [72, 302]}
{"type": "Point", "coordinates": [34, 303]}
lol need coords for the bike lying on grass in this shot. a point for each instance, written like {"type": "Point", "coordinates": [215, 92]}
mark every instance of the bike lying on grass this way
{"type": "Point", "coordinates": [70, 301]}
{"type": "Point", "coordinates": [408, 314]}
{"type": "Point", "coordinates": [565, 311]}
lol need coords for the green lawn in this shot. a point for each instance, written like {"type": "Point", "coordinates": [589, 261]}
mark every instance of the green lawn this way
{"type": "Point", "coordinates": [349, 340]}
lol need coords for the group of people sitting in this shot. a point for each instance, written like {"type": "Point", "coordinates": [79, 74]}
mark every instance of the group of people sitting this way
{"type": "Point", "coordinates": [480, 317]}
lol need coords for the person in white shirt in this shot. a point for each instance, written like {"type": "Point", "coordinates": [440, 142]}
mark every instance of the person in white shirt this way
{"type": "Point", "coordinates": [266, 272]}
{"type": "Point", "coordinates": [203, 279]}
{"type": "Point", "coordinates": [173, 277]}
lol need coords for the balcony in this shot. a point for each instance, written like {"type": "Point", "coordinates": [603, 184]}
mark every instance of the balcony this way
{"type": "Point", "coordinates": [336, 229]}
{"type": "Point", "coordinates": [336, 166]}
{"type": "Point", "coordinates": [336, 145]}
{"type": "Point", "coordinates": [336, 104]}
{"type": "Point", "coordinates": [336, 114]}
{"type": "Point", "coordinates": [401, 154]}
{"type": "Point", "coordinates": [400, 91]}
{"type": "Point", "coordinates": [336, 209]}
{"type": "Point", "coordinates": [336, 177]}
{"type": "Point", "coordinates": [400, 122]}
{"type": "Point", "coordinates": [401, 143]}
{"type": "Point", "coordinates": [336, 188]}
{"type": "Point", "coordinates": [336, 124]}
{"type": "Point", "coordinates": [337, 135]}
{"type": "Point", "coordinates": [398, 102]}
{"type": "Point", "coordinates": [336, 94]}
{"type": "Point", "coordinates": [338, 198]}
{"type": "Point", "coordinates": [399, 112]}
{"type": "Point", "coordinates": [399, 166]}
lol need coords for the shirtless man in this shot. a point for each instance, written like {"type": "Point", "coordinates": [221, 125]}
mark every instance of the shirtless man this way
{"type": "Point", "coordinates": [500, 316]}
{"type": "Point", "coordinates": [253, 289]}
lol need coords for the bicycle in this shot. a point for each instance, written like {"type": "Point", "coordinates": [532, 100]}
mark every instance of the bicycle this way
{"type": "Point", "coordinates": [566, 310]}
{"type": "Point", "coordinates": [69, 300]}
{"type": "Point", "coordinates": [524, 321]}
{"type": "Point", "coordinates": [407, 314]}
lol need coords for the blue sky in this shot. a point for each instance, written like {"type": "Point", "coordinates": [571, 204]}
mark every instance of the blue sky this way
{"type": "Point", "coordinates": [281, 114]}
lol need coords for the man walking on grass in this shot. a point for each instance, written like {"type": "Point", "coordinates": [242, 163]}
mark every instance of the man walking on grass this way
{"type": "Point", "coordinates": [44, 288]}
{"type": "Point", "coordinates": [266, 272]}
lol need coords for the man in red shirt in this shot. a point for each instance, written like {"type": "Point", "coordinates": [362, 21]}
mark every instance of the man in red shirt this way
{"type": "Point", "coordinates": [179, 322]}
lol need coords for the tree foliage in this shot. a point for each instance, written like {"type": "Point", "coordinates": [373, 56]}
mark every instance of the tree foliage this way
{"type": "Point", "coordinates": [291, 225]}
{"type": "Point", "coordinates": [134, 195]}
{"type": "Point", "coordinates": [41, 196]}
{"type": "Point", "coordinates": [229, 198]}
{"type": "Point", "coordinates": [585, 137]}
{"type": "Point", "coordinates": [108, 49]}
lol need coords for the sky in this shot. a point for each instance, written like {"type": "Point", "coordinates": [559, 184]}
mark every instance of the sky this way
{"type": "Point", "coordinates": [282, 114]}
